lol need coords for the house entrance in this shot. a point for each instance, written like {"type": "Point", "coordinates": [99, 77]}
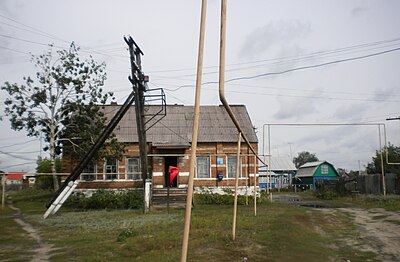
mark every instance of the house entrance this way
{"type": "Point", "coordinates": [170, 161]}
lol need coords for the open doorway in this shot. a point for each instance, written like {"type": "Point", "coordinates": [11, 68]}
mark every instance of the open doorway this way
{"type": "Point", "coordinates": [170, 161]}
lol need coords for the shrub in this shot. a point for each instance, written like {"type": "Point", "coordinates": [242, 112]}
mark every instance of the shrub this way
{"type": "Point", "coordinates": [45, 182]}
{"type": "Point", "coordinates": [217, 199]}
{"type": "Point", "coordinates": [104, 199]}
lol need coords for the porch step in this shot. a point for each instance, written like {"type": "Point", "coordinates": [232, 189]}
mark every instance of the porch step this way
{"type": "Point", "coordinates": [177, 197]}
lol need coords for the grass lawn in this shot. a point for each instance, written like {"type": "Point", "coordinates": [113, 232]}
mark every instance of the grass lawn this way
{"type": "Point", "coordinates": [279, 232]}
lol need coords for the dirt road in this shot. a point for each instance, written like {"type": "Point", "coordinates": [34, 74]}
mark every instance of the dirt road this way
{"type": "Point", "coordinates": [378, 229]}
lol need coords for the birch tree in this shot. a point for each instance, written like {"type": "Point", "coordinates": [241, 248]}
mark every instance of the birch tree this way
{"type": "Point", "coordinates": [41, 104]}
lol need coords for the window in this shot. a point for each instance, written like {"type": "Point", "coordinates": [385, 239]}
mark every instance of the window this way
{"type": "Point", "coordinates": [203, 167]}
{"type": "Point", "coordinates": [110, 169]}
{"type": "Point", "coordinates": [133, 168]}
{"type": "Point", "coordinates": [324, 169]}
{"type": "Point", "coordinates": [232, 167]}
{"type": "Point", "coordinates": [89, 172]}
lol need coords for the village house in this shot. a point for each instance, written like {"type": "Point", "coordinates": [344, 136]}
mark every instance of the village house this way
{"type": "Point", "coordinates": [280, 172]}
{"type": "Point", "coordinates": [311, 173]}
{"type": "Point", "coordinates": [169, 144]}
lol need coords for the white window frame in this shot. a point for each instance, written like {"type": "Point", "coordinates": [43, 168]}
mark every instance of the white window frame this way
{"type": "Point", "coordinates": [89, 173]}
{"type": "Point", "coordinates": [324, 170]}
{"type": "Point", "coordinates": [132, 174]}
{"type": "Point", "coordinates": [208, 167]}
{"type": "Point", "coordinates": [229, 160]}
{"type": "Point", "coordinates": [107, 167]}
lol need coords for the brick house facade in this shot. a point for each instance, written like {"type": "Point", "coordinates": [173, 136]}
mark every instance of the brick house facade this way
{"type": "Point", "coordinates": [169, 145]}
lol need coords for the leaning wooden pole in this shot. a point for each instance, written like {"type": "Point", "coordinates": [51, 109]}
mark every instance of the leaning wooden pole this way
{"type": "Point", "coordinates": [189, 198]}
{"type": "Point", "coordinates": [236, 187]}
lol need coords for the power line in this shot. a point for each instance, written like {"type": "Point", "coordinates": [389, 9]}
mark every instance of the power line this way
{"type": "Point", "coordinates": [291, 58]}
{"type": "Point", "coordinates": [313, 97]}
{"type": "Point", "coordinates": [16, 156]}
{"type": "Point", "coordinates": [21, 164]}
{"type": "Point", "coordinates": [292, 69]}
{"type": "Point", "coordinates": [38, 31]}
{"type": "Point", "coordinates": [19, 144]}
{"type": "Point", "coordinates": [14, 50]}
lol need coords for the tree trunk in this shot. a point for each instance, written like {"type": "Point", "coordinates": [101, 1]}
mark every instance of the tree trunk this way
{"type": "Point", "coordinates": [53, 157]}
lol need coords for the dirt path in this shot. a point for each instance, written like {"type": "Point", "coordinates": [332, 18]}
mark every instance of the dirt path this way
{"type": "Point", "coordinates": [42, 249]}
{"type": "Point", "coordinates": [379, 231]}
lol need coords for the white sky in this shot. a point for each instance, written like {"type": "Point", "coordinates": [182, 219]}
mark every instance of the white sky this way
{"type": "Point", "coordinates": [262, 37]}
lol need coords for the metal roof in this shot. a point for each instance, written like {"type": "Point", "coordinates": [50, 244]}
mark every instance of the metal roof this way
{"type": "Point", "coordinates": [280, 163]}
{"type": "Point", "coordinates": [308, 169]}
{"type": "Point", "coordinates": [312, 164]}
{"type": "Point", "coordinates": [175, 129]}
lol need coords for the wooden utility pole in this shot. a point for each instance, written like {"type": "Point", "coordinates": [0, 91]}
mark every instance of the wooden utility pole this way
{"type": "Point", "coordinates": [138, 80]}
{"type": "Point", "coordinates": [196, 120]}
{"type": "Point", "coordinates": [236, 187]}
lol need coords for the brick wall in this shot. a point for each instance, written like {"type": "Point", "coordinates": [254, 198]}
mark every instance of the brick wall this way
{"type": "Point", "coordinates": [217, 152]}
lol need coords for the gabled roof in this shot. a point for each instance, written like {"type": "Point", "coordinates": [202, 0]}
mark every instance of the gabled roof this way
{"type": "Point", "coordinates": [312, 164]}
{"type": "Point", "coordinates": [308, 169]}
{"type": "Point", "coordinates": [283, 163]}
{"type": "Point", "coordinates": [175, 129]}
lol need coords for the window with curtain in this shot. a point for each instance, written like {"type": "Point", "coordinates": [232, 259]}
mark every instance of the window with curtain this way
{"type": "Point", "coordinates": [133, 168]}
{"type": "Point", "coordinates": [232, 167]}
{"type": "Point", "coordinates": [203, 167]}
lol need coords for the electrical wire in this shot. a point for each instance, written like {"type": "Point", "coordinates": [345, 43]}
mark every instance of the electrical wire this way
{"type": "Point", "coordinates": [19, 144]}
{"type": "Point", "coordinates": [15, 156]}
{"type": "Point", "coordinates": [292, 69]}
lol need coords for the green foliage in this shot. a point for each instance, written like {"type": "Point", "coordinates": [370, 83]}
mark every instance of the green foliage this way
{"type": "Point", "coordinates": [374, 167]}
{"type": "Point", "coordinates": [44, 105]}
{"type": "Point", "coordinates": [304, 157]}
{"type": "Point", "coordinates": [44, 166]}
{"type": "Point", "coordinates": [104, 199]}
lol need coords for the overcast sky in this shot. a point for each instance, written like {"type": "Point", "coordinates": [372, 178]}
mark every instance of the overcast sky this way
{"type": "Point", "coordinates": [342, 59]}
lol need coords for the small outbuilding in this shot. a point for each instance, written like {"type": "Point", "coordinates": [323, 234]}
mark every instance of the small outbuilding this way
{"type": "Point", "coordinates": [309, 174]}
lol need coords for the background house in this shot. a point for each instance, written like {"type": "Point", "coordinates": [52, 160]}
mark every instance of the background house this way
{"type": "Point", "coordinates": [169, 144]}
{"type": "Point", "coordinates": [281, 172]}
{"type": "Point", "coordinates": [310, 173]}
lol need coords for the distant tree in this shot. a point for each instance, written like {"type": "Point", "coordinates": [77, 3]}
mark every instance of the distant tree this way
{"type": "Point", "coordinates": [44, 167]}
{"type": "Point", "coordinates": [374, 167]}
{"type": "Point", "coordinates": [44, 105]}
{"type": "Point", "coordinates": [304, 157]}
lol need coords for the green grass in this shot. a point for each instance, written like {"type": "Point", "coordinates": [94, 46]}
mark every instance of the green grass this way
{"type": "Point", "coordinates": [14, 245]}
{"type": "Point", "coordinates": [279, 232]}
{"type": "Point", "coordinates": [389, 202]}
